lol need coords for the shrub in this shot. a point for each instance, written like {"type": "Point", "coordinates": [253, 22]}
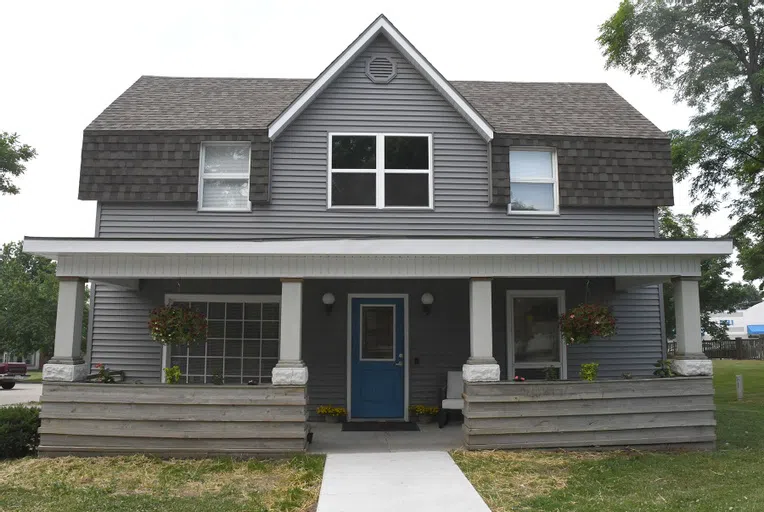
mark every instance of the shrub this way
{"type": "Point", "coordinates": [172, 375]}
{"type": "Point", "coordinates": [551, 373]}
{"type": "Point", "coordinates": [579, 324]}
{"type": "Point", "coordinates": [423, 410]}
{"type": "Point", "coordinates": [18, 431]}
{"type": "Point", "coordinates": [328, 410]}
{"type": "Point", "coordinates": [663, 368]}
{"type": "Point", "coordinates": [589, 371]}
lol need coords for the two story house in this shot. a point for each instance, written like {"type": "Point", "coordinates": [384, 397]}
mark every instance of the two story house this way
{"type": "Point", "coordinates": [354, 237]}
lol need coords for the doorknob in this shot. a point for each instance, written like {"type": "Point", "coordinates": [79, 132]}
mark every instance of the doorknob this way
{"type": "Point", "coordinates": [400, 360]}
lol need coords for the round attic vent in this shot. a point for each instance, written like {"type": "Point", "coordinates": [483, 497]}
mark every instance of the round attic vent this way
{"type": "Point", "coordinates": [380, 70]}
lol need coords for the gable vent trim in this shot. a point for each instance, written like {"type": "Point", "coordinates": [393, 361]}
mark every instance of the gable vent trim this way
{"type": "Point", "coordinates": [381, 69]}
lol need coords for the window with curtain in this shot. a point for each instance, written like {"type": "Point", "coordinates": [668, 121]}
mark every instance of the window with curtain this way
{"type": "Point", "coordinates": [224, 176]}
{"type": "Point", "coordinates": [532, 181]}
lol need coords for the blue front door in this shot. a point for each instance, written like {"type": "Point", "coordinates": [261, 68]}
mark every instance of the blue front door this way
{"type": "Point", "coordinates": [377, 367]}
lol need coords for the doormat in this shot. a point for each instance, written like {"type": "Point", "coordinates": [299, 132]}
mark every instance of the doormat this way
{"type": "Point", "coordinates": [380, 426]}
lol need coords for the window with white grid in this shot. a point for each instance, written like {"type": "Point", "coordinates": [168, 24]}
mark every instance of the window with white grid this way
{"type": "Point", "coordinates": [242, 342]}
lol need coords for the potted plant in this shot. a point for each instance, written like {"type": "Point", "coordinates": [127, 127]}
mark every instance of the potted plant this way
{"type": "Point", "coordinates": [580, 323]}
{"type": "Point", "coordinates": [177, 324]}
{"type": "Point", "coordinates": [331, 414]}
{"type": "Point", "coordinates": [424, 413]}
{"type": "Point", "coordinates": [172, 375]}
{"type": "Point", "coordinates": [589, 371]}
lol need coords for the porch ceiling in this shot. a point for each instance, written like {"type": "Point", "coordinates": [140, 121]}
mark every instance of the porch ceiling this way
{"type": "Point", "coordinates": [376, 258]}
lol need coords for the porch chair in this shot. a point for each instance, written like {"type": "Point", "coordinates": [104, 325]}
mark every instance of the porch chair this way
{"type": "Point", "coordinates": [453, 397]}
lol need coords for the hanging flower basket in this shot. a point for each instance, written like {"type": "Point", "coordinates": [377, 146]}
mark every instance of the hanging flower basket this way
{"type": "Point", "coordinates": [177, 324]}
{"type": "Point", "coordinates": [579, 324]}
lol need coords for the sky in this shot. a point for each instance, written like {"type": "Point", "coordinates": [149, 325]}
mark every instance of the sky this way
{"type": "Point", "coordinates": [66, 61]}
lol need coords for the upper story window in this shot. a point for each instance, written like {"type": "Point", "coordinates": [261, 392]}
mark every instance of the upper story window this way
{"type": "Point", "coordinates": [533, 181]}
{"type": "Point", "coordinates": [224, 169]}
{"type": "Point", "coordinates": [380, 171]}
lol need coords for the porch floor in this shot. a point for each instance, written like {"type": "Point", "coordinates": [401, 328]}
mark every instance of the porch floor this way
{"type": "Point", "coordinates": [329, 438]}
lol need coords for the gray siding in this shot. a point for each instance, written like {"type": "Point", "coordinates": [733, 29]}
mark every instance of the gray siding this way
{"type": "Point", "coordinates": [299, 177]}
{"type": "Point", "coordinates": [121, 338]}
{"type": "Point", "coordinates": [438, 342]}
{"type": "Point", "coordinates": [636, 345]}
{"type": "Point", "coordinates": [120, 333]}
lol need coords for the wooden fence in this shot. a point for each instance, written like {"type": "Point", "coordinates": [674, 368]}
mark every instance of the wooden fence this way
{"type": "Point", "coordinates": [729, 349]}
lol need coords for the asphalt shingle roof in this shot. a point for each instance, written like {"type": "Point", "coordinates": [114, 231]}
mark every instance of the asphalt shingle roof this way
{"type": "Point", "coordinates": [174, 103]}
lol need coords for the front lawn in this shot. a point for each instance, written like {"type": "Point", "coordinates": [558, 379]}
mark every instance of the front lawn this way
{"type": "Point", "coordinates": [34, 376]}
{"type": "Point", "coordinates": [139, 483]}
{"type": "Point", "coordinates": [728, 479]}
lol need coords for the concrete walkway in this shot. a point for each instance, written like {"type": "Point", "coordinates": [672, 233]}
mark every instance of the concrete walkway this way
{"type": "Point", "coordinates": [399, 482]}
{"type": "Point", "coordinates": [22, 393]}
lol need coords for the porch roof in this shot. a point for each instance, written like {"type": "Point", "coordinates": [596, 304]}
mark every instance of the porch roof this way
{"type": "Point", "coordinates": [705, 248]}
{"type": "Point", "coordinates": [631, 262]}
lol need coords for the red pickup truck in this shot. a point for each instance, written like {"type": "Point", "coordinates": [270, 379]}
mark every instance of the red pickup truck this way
{"type": "Point", "coordinates": [10, 373]}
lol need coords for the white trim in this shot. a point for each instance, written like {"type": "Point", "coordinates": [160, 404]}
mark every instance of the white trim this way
{"type": "Point", "coordinates": [554, 181]}
{"type": "Point", "coordinates": [169, 298]}
{"type": "Point", "coordinates": [360, 337]}
{"type": "Point", "coordinates": [349, 349]}
{"type": "Point", "coordinates": [511, 365]}
{"type": "Point", "coordinates": [238, 176]}
{"type": "Point", "coordinates": [381, 26]}
{"type": "Point", "coordinates": [380, 171]}
{"type": "Point", "coordinates": [56, 247]}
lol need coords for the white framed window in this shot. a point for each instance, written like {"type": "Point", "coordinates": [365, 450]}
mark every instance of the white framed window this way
{"type": "Point", "coordinates": [534, 340]}
{"type": "Point", "coordinates": [242, 339]}
{"type": "Point", "coordinates": [380, 170]}
{"type": "Point", "coordinates": [224, 169]}
{"type": "Point", "coordinates": [533, 183]}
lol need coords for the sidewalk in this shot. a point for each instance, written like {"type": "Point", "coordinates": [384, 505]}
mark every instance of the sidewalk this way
{"type": "Point", "coordinates": [399, 482]}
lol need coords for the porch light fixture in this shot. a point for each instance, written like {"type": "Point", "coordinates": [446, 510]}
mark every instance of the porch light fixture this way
{"type": "Point", "coordinates": [328, 300]}
{"type": "Point", "coordinates": [427, 300]}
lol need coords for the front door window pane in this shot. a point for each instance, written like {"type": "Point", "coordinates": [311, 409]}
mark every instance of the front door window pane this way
{"type": "Point", "coordinates": [378, 332]}
{"type": "Point", "coordinates": [536, 331]}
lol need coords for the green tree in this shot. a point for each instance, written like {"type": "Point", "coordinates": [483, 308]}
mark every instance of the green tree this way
{"type": "Point", "coordinates": [717, 294]}
{"type": "Point", "coordinates": [28, 301]}
{"type": "Point", "coordinates": [13, 155]}
{"type": "Point", "coordinates": [711, 54]}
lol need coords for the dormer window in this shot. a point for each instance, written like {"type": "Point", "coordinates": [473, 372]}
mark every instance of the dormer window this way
{"type": "Point", "coordinates": [224, 169]}
{"type": "Point", "coordinates": [533, 181]}
{"type": "Point", "coordinates": [380, 171]}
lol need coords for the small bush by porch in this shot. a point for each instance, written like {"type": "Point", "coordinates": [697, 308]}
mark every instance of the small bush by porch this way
{"type": "Point", "coordinates": [145, 483]}
{"type": "Point", "coordinates": [727, 479]}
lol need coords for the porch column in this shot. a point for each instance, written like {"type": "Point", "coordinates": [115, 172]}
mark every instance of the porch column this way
{"type": "Point", "coordinates": [290, 370]}
{"type": "Point", "coordinates": [689, 359]}
{"type": "Point", "coordinates": [67, 364]}
{"type": "Point", "coordinates": [481, 366]}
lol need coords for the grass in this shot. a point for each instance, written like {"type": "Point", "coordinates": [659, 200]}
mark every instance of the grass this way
{"type": "Point", "coordinates": [727, 479]}
{"type": "Point", "coordinates": [34, 376]}
{"type": "Point", "coordinates": [142, 484]}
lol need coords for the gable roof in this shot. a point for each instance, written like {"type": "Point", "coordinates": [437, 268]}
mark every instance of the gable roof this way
{"type": "Point", "coordinates": [565, 109]}
{"type": "Point", "coordinates": [382, 26]}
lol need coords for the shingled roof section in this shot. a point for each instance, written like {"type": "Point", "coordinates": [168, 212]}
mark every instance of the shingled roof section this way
{"type": "Point", "coordinates": [174, 103]}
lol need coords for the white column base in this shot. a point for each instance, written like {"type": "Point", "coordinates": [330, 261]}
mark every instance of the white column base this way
{"type": "Point", "coordinates": [286, 376]}
{"type": "Point", "coordinates": [64, 372]}
{"type": "Point", "coordinates": [692, 367]}
{"type": "Point", "coordinates": [481, 372]}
